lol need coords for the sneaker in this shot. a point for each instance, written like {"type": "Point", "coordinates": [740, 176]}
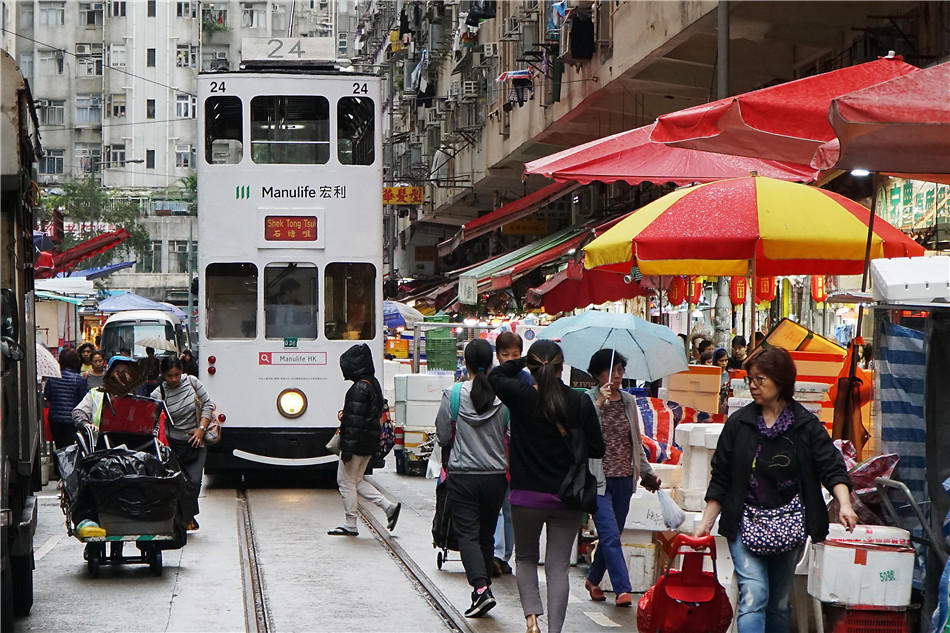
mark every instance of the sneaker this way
{"type": "Point", "coordinates": [624, 600]}
{"type": "Point", "coordinates": [481, 604]}
{"type": "Point", "coordinates": [496, 569]}
{"type": "Point", "coordinates": [596, 593]}
{"type": "Point", "coordinates": [393, 517]}
{"type": "Point", "coordinates": [505, 567]}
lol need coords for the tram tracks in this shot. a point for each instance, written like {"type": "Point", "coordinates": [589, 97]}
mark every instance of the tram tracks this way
{"type": "Point", "coordinates": [257, 613]}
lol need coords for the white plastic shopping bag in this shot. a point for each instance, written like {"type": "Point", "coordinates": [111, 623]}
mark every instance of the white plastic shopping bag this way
{"type": "Point", "coordinates": [434, 466]}
{"type": "Point", "coordinates": [673, 515]}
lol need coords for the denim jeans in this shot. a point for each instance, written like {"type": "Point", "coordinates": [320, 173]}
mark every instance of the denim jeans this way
{"type": "Point", "coordinates": [611, 514]}
{"type": "Point", "coordinates": [504, 532]}
{"type": "Point", "coordinates": [765, 585]}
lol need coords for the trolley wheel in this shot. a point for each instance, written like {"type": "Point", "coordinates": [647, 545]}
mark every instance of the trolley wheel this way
{"type": "Point", "coordinates": [115, 551]}
{"type": "Point", "coordinates": [439, 559]}
{"type": "Point", "coordinates": [155, 561]}
{"type": "Point", "coordinates": [94, 557]}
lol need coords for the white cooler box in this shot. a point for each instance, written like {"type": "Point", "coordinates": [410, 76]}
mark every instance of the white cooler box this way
{"type": "Point", "coordinates": [861, 574]}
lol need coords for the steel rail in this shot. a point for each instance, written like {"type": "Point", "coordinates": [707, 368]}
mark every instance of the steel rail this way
{"type": "Point", "coordinates": [257, 615]}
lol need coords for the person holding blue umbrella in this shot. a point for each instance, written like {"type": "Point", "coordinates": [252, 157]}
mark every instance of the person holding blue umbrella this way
{"type": "Point", "coordinates": [623, 464]}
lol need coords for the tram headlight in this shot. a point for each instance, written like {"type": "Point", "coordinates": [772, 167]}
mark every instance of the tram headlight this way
{"type": "Point", "coordinates": [291, 403]}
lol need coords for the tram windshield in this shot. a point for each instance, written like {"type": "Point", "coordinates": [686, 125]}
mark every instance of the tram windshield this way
{"type": "Point", "coordinates": [290, 301]}
{"type": "Point", "coordinates": [350, 296]}
{"type": "Point", "coordinates": [231, 301]}
{"type": "Point", "coordinates": [290, 130]}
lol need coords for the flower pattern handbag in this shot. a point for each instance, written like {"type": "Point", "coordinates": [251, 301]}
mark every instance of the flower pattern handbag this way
{"type": "Point", "coordinates": [768, 531]}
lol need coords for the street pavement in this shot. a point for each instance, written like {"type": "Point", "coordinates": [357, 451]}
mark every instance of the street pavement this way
{"type": "Point", "coordinates": [312, 581]}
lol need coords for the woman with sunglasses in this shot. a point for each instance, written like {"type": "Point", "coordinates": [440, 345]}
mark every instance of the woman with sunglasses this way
{"type": "Point", "coordinates": [767, 470]}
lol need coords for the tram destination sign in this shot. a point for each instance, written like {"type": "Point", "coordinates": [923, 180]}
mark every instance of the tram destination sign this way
{"type": "Point", "coordinates": [290, 228]}
{"type": "Point", "coordinates": [288, 49]}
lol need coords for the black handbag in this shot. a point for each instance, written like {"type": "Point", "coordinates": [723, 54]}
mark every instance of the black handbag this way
{"type": "Point", "coordinates": [578, 490]}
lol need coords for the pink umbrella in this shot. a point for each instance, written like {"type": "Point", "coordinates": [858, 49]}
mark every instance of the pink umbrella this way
{"type": "Point", "coordinates": [633, 158]}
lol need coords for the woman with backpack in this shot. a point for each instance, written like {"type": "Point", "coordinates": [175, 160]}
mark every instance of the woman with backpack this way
{"type": "Point", "coordinates": [471, 423]}
{"type": "Point", "coordinates": [359, 439]}
{"type": "Point", "coordinates": [554, 431]}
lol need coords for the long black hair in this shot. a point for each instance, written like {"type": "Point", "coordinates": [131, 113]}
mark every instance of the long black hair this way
{"type": "Point", "coordinates": [478, 359]}
{"type": "Point", "coordinates": [168, 363]}
{"type": "Point", "coordinates": [545, 361]}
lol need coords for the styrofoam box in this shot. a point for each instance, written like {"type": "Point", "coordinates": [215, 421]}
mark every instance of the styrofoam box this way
{"type": "Point", "coordinates": [427, 387]}
{"type": "Point", "coordinates": [670, 474]}
{"type": "Point", "coordinates": [918, 279]}
{"type": "Point", "coordinates": [416, 413]}
{"type": "Point", "coordinates": [859, 574]}
{"type": "Point", "coordinates": [877, 534]}
{"type": "Point", "coordinates": [391, 369]}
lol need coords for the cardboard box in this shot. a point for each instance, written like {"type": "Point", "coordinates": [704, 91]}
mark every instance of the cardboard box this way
{"type": "Point", "coordinates": [702, 378]}
{"type": "Point", "coordinates": [861, 574]}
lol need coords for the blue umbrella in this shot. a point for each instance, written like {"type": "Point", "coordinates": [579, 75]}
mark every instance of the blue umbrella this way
{"type": "Point", "coordinates": [652, 351]}
{"type": "Point", "coordinates": [397, 314]}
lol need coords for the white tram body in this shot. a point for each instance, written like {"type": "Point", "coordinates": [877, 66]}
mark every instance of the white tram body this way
{"type": "Point", "coordinates": [290, 256]}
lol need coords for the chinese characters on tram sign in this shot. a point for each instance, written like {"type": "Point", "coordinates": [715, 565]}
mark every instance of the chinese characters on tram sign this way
{"type": "Point", "coordinates": [402, 195]}
{"type": "Point", "coordinates": [290, 228]}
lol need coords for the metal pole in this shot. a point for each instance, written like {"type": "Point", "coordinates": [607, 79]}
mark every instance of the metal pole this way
{"type": "Point", "coordinates": [191, 267]}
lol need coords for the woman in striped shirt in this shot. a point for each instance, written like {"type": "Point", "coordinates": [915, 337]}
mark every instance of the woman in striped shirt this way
{"type": "Point", "coordinates": [185, 397]}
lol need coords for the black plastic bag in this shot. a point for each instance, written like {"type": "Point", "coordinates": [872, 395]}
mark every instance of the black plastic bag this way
{"type": "Point", "coordinates": [133, 484]}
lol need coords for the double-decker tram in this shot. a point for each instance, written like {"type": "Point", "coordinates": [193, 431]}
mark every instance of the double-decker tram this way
{"type": "Point", "coordinates": [290, 249]}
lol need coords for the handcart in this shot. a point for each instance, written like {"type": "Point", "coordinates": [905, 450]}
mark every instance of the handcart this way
{"type": "Point", "coordinates": [126, 480]}
{"type": "Point", "coordinates": [443, 534]}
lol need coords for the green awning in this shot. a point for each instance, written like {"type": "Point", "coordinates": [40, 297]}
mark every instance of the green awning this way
{"type": "Point", "coordinates": [46, 294]}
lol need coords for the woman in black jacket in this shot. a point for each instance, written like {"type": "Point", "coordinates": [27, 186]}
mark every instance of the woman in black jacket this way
{"type": "Point", "coordinates": [772, 454]}
{"type": "Point", "coordinates": [540, 457]}
{"type": "Point", "coordinates": [359, 438]}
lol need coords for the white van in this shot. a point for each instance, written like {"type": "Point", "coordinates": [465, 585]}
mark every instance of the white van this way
{"type": "Point", "coordinates": [129, 332]}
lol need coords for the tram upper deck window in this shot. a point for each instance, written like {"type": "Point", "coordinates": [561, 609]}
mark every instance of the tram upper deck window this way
{"type": "Point", "coordinates": [356, 127]}
{"type": "Point", "coordinates": [224, 142]}
{"type": "Point", "coordinates": [290, 130]}
{"type": "Point", "coordinates": [350, 296]}
{"type": "Point", "coordinates": [290, 301]}
{"type": "Point", "coordinates": [231, 301]}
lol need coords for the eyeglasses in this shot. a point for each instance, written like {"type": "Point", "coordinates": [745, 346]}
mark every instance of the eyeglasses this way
{"type": "Point", "coordinates": [758, 380]}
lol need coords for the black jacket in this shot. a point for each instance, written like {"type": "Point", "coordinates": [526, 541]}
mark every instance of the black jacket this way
{"type": "Point", "coordinates": [539, 456]}
{"type": "Point", "coordinates": [819, 462]}
{"type": "Point", "coordinates": [362, 406]}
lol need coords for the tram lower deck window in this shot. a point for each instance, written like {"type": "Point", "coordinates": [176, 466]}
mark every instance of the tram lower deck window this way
{"type": "Point", "coordinates": [290, 130]}
{"type": "Point", "coordinates": [290, 301]}
{"type": "Point", "coordinates": [231, 301]}
{"type": "Point", "coordinates": [350, 297]}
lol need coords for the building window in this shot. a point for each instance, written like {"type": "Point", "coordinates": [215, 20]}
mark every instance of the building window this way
{"type": "Point", "coordinates": [150, 57]}
{"type": "Point", "coordinates": [186, 56]}
{"type": "Point", "coordinates": [26, 15]}
{"type": "Point", "coordinates": [26, 65]}
{"type": "Point", "coordinates": [178, 256]}
{"type": "Point", "coordinates": [184, 156]}
{"type": "Point", "coordinates": [115, 106]}
{"type": "Point", "coordinates": [231, 301]}
{"type": "Point", "coordinates": [150, 159]}
{"type": "Point", "coordinates": [90, 14]}
{"type": "Point", "coordinates": [115, 156]}
{"type": "Point", "coordinates": [52, 161]}
{"type": "Point", "coordinates": [88, 157]}
{"type": "Point", "coordinates": [88, 109]}
{"type": "Point", "coordinates": [278, 18]}
{"type": "Point", "coordinates": [53, 113]}
{"type": "Point", "coordinates": [118, 9]}
{"type": "Point", "coordinates": [252, 15]}
{"type": "Point", "coordinates": [151, 262]}
{"type": "Point", "coordinates": [214, 60]}
{"type": "Point", "coordinates": [185, 106]}
{"type": "Point", "coordinates": [52, 13]}
{"type": "Point", "coordinates": [150, 108]}
{"type": "Point", "coordinates": [150, 11]}
{"type": "Point", "coordinates": [117, 55]}
{"type": "Point", "coordinates": [49, 62]}
{"type": "Point", "coordinates": [186, 9]}
{"type": "Point", "coordinates": [215, 16]}
{"type": "Point", "coordinates": [88, 60]}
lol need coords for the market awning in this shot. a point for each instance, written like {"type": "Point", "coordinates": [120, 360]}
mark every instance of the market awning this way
{"type": "Point", "coordinates": [48, 264]}
{"type": "Point", "coordinates": [500, 272]}
{"type": "Point", "coordinates": [574, 287]}
{"type": "Point", "coordinates": [505, 214]}
{"type": "Point", "coordinates": [100, 271]}
{"type": "Point", "coordinates": [53, 296]}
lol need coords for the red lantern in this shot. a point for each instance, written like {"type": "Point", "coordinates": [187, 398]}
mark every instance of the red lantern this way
{"type": "Point", "coordinates": [677, 291]}
{"type": "Point", "coordinates": [818, 290]}
{"type": "Point", "coordinates": [694, 289]}
{"type": "Point", "coordinates": [764, 289]}
{"type": "Point", "coordinates": [738, 290]}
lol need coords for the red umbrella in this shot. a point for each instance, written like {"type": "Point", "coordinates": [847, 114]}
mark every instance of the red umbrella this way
{"type": "Point", "coordinates": [901, 125]}
{"type": "Point", "coordinates": [51, 263]}
{"type": "Point", "coordinates": [632, 157]}
{"type": "Point", "coordinates": [786, 122]}
{"type": "Point", "coordinates": [575, 287]}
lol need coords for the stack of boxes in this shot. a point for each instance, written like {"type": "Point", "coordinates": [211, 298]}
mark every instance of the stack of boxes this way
{"type": "Point", "coordinates": [698, 387]}
{"type": "Point", "coordinates": [698, 443]}
{"type": "Point", "coordinates": [417, 398]}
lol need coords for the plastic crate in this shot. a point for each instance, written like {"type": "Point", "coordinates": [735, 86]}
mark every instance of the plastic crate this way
{"type": "Point", "coordinates": [841, 619]}
{"type": "Point", "coordinates": [441, 353]}
{"type": "Point", "coordinates": [397, 347]}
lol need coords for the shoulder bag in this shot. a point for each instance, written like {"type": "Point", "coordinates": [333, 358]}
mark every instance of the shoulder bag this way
{"type": "Point", "coordinates": [767, 531]}
{"type": "Point", "coordinates": [213, 433]}
{"type": "Point", "coordinates": [579, 488]}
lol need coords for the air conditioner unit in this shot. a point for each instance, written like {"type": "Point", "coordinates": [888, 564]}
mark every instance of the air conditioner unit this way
{"type": "Point", "coordinates": [41, 103]}
{"type": "Point", "coordinates": [564, 48]}
{"type": "Point", "coordinates": [221, 55]}
{"type": "Point", "coordinates": [83, 49]}
{"type": "Point", "coordinates": [432, 116]}
{"type": "Point", "coordinates": [469, 88]}
{"type": "Point", "coordinates": [455, 89]}
{"type": "Point", "coordinates": [491, 49]}
{"type": "Point", "coordinates": [448, 106]}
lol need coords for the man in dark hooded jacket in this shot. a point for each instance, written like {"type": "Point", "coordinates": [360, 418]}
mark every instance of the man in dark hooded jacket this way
{"type": "Point", "coordinates": [359, 438]}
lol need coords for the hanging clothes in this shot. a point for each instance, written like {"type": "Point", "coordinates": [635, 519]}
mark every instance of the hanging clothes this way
{"type": "Point", "coordinates": [521, 91]}
{"type": "Point", "coordinates": [582, 37]}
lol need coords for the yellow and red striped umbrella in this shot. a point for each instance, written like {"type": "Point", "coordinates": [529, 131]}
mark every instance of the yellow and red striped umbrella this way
{"type": "Point", "coordinates": [718, 228]}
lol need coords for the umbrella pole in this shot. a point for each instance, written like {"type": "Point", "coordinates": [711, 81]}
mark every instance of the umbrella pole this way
{"type": "Point", "coordinates": [751, 339]}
